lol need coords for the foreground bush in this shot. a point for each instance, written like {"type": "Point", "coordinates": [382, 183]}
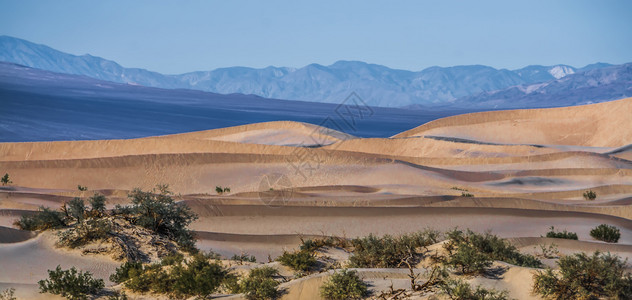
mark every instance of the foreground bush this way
{"type": "Point", "coordinates": [585, 277]}
{"type": "Point", "coordinates": [87, 231]}
{"type": "Point", "coordinates": [461, 290]}
{"type": "Point", "coordinates": [299, 261]}
{"type": "Point", "coordinates": [174, 276]}
{"type": "Point", "coordinates": [70, 283]}
{"type": "Point", "coordinates": [561, 234]}
{"type": "Point", "coordinates": [389, 251]}
{"type": "Point", "coordinates": [471, 252]}
{"type": "Point", "coordinates": [606, 233]}
{"type": "Point", "coordinates": [43, 219]}
{"type": "Point", "coordinates": [260, 284]}
{"type": "Point", "coordinates": [157, 211]}
{"type": "Point", "coordinates": [343, 285]}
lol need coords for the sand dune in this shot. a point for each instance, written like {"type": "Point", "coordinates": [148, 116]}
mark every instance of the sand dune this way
{"type": "Point", "coordinates": [526, 170]}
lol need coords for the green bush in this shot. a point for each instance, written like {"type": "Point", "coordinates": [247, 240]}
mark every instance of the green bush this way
{"type": "Point", "coordinates": [70, 283]}
{"type": "Point", "coordinates": [461, 290]}
{"type": "Point", "coordinates": [590, 195]}
{"type": "Point", "coordinates": [472, 252]}
{"type": "Point", "coordinates": [606, 233]}
{"type": "Point", "coordinates": [581, 276]}
{"type": "Point", "coordinates": [97, 205]}
{"type": "Point", "coordinates": [344, 285]}
{"type": "Point", "coordinates": [561, 234]}
{"type": "Point", "coordinates": [43, 219]}
{"type": "Point", "coordinates": [5, 179]}
{"type": "Point", "coordinates": [85, 232]}
{"type": "Point", "coordinates": [8, 294]}
{"type": "Point", "coordinates": [260, 284]}
{"type": "Point", "coordinates": [244, 257]}
{"type": "Point", "coordinates": [76, 209]}
{"type": "Point", "coordinates": [299, 260]}
{"type": "Point", "coordinates": [388, 251]}
{"type": "Point", "coordinates": [464, 194]}
{"type": "Point", "coordinates": [82, 188]}
{"type": "Point", "coordinates": [161, 214]}
{"type": "Point", "coordinates": [174, 276]}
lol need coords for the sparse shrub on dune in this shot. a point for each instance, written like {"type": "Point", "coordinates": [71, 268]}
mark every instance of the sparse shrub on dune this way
{"type": "Point", "coordinates": [343, 284]}
{"type": "Point", "coordinates": [244, 257]}
{"type": "Point", "coordinates": [464, 194]}
{"type": "Point", "coordinates": [460, 290]}
{"type": "Point", "coordinates": [561, 234]}
{"type": "Point", "coordinates": [260, 284]}
{"type": "Point", "coordinates": [43, 219]}
{"type": "Point", "coordinates": [176, 276]}
{"type": "Point", "coordinates": [71, 283]}
{"type": "Point", "coordinates": [389, 251]}
{"type": "Point", "coordinates": [470, 252]}
{"type": "Point", "coordinates": [590, 195]}
{"type": "Point", "coordinates": [5, 179]}
{"type": "Point", "coordinates": [301, 261]}
{"type": "Point", "coordinates": [8, 294]}
{"type": "Point", "coordinates": [606, 233]}
{"type": "Point", "coordinates": [82, 188]}
{"type": "Point", "coordinates": [158, 212]}
{"type": "Point", "coordinates": [84, 232]}
{"type": "Point", "coordinates": [599, 276]}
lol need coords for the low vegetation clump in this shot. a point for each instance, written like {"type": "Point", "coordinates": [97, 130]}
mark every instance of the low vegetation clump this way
{"type": "Point", "coordinates": [221, 190]}
{"type": "Point", "coordinates": [244, 257]}
{"type": "Point", "coordinates": [606, 233]}
{"type": "Point", "coordinates": [460, 290]}
{"type": "Point", "coordinates": [71, 283]}
{"type": "Point", "coordinates": [300, 261]}
{"type": "Point", "coordinates": [600, 276]}
{"type": "Point", "coordinates": [5, 179]}
{"type": "Point", "coordinates": [343, 285]}
{"type": "Point", "coordinates": [158, 212]}
{"type": "Point", "coordinates": [464, 194]}
{"type": "Point", "coordinates": [175, 276]}
{"type": "Point", "coordinates": [590, 195]}
{"type": "Point", "coordinates": [260, 284]}
{"type": "Point", "coordinates": [561, 234]}
{"type": "Point", "coordinates": [82, 188]}
{"type": "Point", "coordinates": [389, 251]}
{"type": "Point", "coordinates": [8, 294]}
{"type": "Point", "coordinates": [330, 241]}
{"type": "Point", "coordinates": [43, 219]}
{"type": "Point", "coordinates": [470, 252]}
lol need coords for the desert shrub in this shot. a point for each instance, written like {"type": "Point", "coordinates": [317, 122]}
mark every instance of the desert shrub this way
{"type": "Point", "coordinates": [561, 234]}
{"type": "Point", "coordinates": [76, 209]}
{"type": "Point", "coordinates": [606, 233]}
{"type": "Point", "coordinates": [472, 252]}
{"type": "Point", "coordinates": [244, 257]}
{"type": "Point", "coordinates": [43, 219]}
{"type": "Point", "coordinates": [5, 179]}
{"type": "Point", "coordinates": [260, 284]}
{"type": "Point", "coordinates": [388, 251]}
{"type": "Point", "coordinates": [71, 283]}
{"type": "Point", "coordinates": [590, 195]}
{"type": "Point", "coordinates": [126, 271]}
{"type": "Point", "coordinates": [85, 232]}
{"type": "Point", "coordinates": [97, 205]}
{"type": "Point", "coordinates": [82, 188]}
{"type": "Point", "coordinates": [342, 285]}
{"type": "Point", "coordinates": [226, 190]}
{"type": "Point", "coordinates": [468, 260]}
{"type": "Point", "coordinates": [464, 194]}
{"type": "Point", "coordinates": [175, 276]}
{"type": "Point", "coordinates": [8, 294]}
{"type": "Point", "coordinates": [299, 260]}
{"type": "Point", "coordinates": [585, 277]}
{"type": "Point", "coordinates": [161, 214]}
{"type": "Point", "coordinates": [330, 241]}
{"type": "Point", "coordinates": [219, 190]}
{"type": "Point", "coordinates": [461, 290]}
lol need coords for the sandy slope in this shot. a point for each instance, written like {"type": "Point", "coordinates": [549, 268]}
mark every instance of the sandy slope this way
{"type": "Point", "coordinates": [527, 170]}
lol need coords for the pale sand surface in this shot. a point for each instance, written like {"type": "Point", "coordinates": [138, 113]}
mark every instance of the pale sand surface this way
{"type": "Point", "coordinates": [527, 170]}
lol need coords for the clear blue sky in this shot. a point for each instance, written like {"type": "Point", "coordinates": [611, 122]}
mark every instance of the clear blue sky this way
{"type": "Point", "coordinates": [182, 36]}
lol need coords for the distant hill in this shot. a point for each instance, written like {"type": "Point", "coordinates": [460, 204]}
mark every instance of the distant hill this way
{"type": "Point", "coordinates": [377, 85]}
{"type": "Point", "coordinates": [585, 87]}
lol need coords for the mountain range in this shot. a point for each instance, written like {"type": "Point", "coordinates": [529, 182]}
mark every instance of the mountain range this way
{"type": "Point", "coordinates": [377, 85]}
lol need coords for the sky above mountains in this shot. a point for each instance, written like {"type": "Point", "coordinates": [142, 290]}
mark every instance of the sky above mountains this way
{"type": "Point", "coordinates": [182, 36]}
